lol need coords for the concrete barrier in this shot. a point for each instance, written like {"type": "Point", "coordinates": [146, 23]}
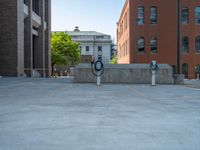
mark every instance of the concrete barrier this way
{"type": "Point", "coordinates": [121, 73]}
{"type": "Point", "coordinates": [178, 79]}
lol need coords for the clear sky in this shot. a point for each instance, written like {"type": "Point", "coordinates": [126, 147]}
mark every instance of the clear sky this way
{"type": "Point", "coordinates": [89, 15]}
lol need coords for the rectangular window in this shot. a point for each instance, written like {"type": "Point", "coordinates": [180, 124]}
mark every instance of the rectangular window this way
{"type": "Point", "coordinates": [153, 15]}
{"type": "Point", "coordinates": [153, 44]}
{"type": "Point", "coordinates": [99, 50]}
{"type": "Point", "coordinates": [141, 45]}
{"type": "Point", "coordinates": [184, 15]}
{"type": "Point", "coordinates": [197, 44]}
{"type": "Point", "coordinates": [140, 19]}
{"type": "Point", "coordinates": [35, 4]}
{"type": "Point", "coordinates": [185, 44]}
{"type": "Point", "coordinates": [197, 15]}
{"type": "Point", "coordinates": [87, 49]}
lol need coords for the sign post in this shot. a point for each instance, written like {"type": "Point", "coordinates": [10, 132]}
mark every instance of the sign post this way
{"type": "Point", "coordinates": [154, 69]}
{"type": "Point", "coordinates": [97, 69]}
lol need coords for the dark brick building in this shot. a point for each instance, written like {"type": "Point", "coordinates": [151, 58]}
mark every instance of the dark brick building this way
{"type": "Point", "coordinates": [148, 30]}
{"type": "Point", "coordinates": [25, 37]}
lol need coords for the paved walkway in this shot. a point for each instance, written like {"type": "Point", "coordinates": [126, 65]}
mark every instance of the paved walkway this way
{"type": "Point", "coordinates": [54, 114]}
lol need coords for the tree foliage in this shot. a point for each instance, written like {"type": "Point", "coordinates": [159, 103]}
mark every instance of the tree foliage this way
{"type": "Point", "coordinates": [113, 60]}
{"type": "Point", "coordinates": [64, 50]}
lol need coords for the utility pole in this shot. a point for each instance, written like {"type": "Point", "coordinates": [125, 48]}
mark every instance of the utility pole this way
{"type": "Point", "coordinates": [178, 38]}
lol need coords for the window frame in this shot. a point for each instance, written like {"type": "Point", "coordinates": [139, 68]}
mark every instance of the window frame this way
{"type": "Point", "coordinates": [183, 15]}
{"type": "Point", "coordinates": [197, 15]}
{"type": "Point", "coordinates": [154, 46]}
{"type": "Point", "coordinates": [87, 48]}
{"type": "Point", "coordinates": [185, 44]}
{"type": "Point", "coordinates": [141, 45]}
{"type": "Point", "coordinates": [153, 16]}
{"type": "Point", "coordinates": [185, 69]}
{"type": "Point", "coordinates": [197, 44]}
{"type": "Point", "coordinates": [140, 15]}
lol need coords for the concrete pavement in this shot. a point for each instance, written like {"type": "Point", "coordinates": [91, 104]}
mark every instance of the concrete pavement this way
{"type": "Point", "coordinates": [49, 114]}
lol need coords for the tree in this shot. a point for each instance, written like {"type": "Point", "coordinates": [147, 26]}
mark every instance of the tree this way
{"type": "Point", "coordinates": [64, 50]}
{"type": "Point", "coordinates": [113, 60]}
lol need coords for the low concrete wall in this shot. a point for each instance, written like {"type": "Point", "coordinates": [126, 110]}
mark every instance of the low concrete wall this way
{"type": "Point", "coordinates": [133, 73]}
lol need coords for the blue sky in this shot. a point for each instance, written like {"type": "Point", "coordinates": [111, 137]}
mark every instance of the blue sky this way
{"type": "Point", "coordinates": [94, 15]}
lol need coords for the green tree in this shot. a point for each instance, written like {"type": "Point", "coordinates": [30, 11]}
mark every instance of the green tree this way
{"type": "Point", "coordinates": [113, 60]}
{"type": "Point", "coordinates": [64, 50]}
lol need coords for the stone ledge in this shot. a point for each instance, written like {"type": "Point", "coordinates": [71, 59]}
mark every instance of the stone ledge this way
{"type": "Point", "coordinates": [133, 73]}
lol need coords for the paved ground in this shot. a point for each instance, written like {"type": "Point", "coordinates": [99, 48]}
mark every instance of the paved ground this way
{"type": "Point", "coordinates": [54, 114]}
{"type": "Point", "coordinates": [192, 83]}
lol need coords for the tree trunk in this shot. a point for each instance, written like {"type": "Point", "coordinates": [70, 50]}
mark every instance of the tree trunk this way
{"type": "Point", "coordinates": [52, 69]}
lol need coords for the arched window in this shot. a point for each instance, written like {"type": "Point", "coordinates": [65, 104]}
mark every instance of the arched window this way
{"type": "Point", "coordinates": [140, 19]}
{"type": "Point", "coordinates": [197, 44]}
{"type": "Point", "coordinates": [197, 15]}
{"type": "Point", "coordinates": [153, 17]}
{"type": "Point", "coordinates": [141, 45]}
{"type": "Point", "coordinates": [185, 44]}
{"type": "Point", "coordinates": [185, 70]}
{"type": "Point", "coordinates": [153, 44]}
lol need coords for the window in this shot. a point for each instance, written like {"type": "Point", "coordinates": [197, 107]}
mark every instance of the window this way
{"type": "Point", "coordinates": [26, 2]}
{"type": "Point", "coordinates": [87, 49]}
{"type": "Point", "coordinates": [140, 19]}
{"type": "Point", "coordinates": [153, 44]}
{"type": "Point", "coordinates": [197, 44]}
{"type": "Point", "coordinates": [197, 15]}
{"type": "Point", "coordinates": [141, 45]}
{"type": "Point", "coordinates": [153, 15]}
{"type": "Point", "coordinates": [99, 52]}
{"type": "Point", "coordinates": [197, 69]}
{"type": "Point", "coordinates": [185, 44]}
{"type": "Point", "coordinates": [184, 15]}
{"type": "Point", "coordinates": [174, 69]}
{"type": "Point", "coordinates": [35, 4]}
{"type": "Point", "coordinates": [99, 37]}
{"type": "Point", "coordinates": [185, 70]}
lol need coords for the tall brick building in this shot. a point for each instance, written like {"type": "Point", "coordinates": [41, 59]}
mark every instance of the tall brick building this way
{"type": "Point", "coordinates": [149, 30]}
{"type": "Point", "coordinates": [25, 37]}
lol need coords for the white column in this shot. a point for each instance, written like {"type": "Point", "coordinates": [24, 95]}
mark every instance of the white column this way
{"type": "Point", "coordinates": [98, 78]}
{"type": "Point", "coordinates": [153, 78]}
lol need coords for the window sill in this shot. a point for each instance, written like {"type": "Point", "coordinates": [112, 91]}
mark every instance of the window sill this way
{"type": "Point", "coordinates": [154, 24]}
{"type": "Point", "coordinates": [184, 53]}
{"type": "Point", "coordinates": [154, 53]}
{"type": "Point", "coordinates": [141, 53]}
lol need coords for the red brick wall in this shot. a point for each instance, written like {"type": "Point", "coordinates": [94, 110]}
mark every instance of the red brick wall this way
{"type": "Point", "coordinates": [165, 30]}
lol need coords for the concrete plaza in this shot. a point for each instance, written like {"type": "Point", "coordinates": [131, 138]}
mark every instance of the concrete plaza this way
{"type": "Point", "coordinates": [55, 114]}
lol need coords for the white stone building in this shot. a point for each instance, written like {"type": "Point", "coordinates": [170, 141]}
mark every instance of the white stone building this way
{"type": "Point", "coordinates": [93, 43]}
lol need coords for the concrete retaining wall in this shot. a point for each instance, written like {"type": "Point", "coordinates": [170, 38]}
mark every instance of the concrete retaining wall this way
{"type": "Point", "coordinates": [133, 73]}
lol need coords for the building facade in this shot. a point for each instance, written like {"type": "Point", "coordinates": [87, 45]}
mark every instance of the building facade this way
{"type": "Point", "coordinates": [150, 30]}
{"type": "Point", "coordinates": [25, 37]}
{"type": "Point", "coordinates": [93, 43]}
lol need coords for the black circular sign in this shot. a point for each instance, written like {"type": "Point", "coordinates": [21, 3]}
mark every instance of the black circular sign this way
{"type": "Point", "coordinates": [98, 65]}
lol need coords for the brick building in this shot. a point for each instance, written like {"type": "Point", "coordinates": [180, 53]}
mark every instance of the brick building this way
{"type": "Point", "coordinates": [150, 30]}
{"type": "Point", "coordinates": [25, 37]}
